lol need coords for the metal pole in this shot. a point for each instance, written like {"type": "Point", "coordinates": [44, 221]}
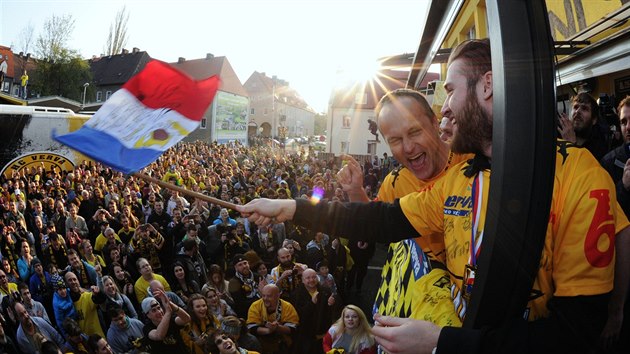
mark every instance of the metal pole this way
{"type": "Point", "coordinates": [85, 86]}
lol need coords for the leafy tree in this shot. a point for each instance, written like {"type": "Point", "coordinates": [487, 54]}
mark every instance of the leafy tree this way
{"type": "Point", "coordinates": [64, 78]}
{"type": "Point", "coordinates": [117, 37]}
{"type": "Point", "coordinates": [60, 70]}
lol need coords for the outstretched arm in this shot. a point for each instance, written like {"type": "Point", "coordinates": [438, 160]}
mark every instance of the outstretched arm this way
{"type": "Point", "coordinates": [371, 222]}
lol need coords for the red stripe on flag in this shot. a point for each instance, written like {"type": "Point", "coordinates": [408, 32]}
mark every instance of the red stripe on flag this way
{"type": "Point", "coordinates": [159, 85]}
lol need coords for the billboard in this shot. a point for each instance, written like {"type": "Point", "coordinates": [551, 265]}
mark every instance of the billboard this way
{"type": "Point", "coordinates": [231, 117]}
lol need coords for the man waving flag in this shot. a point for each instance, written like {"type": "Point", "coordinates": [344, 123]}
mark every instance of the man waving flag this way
{"type": "Point", "coordinates": [151, 112]}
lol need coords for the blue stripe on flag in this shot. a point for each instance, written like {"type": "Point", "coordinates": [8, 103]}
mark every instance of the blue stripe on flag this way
{"type": "Point", "coordinates": [108, 150]}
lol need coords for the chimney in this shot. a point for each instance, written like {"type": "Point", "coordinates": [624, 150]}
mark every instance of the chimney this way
{"type": "Point", "coordinates": [125, 51]}
{"type": "Point", "coordinates": [135, 50]}
{"type": "Point", "coordinates": [21, 54]}
{"type": "Point", "coordinates": [263, 73]}
{"type": "Point", "coordinates": [209, 56]}
{"type": "Point", "coordinates": [181, 60]}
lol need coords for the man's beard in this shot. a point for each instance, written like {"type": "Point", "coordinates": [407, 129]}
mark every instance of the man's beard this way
{"type": "Point", "coordinates": [288, 265]}
{"type": "Point", "coordinates": [585, 132]}
{"type": "Point", "coordinates": [474, 127]}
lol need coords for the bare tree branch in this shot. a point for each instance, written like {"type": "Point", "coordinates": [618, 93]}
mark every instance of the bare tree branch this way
{"type": "Point", "coordinates": [117, 37]}
{"type": "Point", "coordinates": [25, 38]}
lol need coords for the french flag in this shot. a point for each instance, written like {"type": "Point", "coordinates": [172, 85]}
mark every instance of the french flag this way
{"type": "Point", "coordinates": [152, 112]}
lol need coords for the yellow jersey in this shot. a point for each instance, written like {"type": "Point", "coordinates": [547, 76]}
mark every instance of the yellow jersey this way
{"type": "Point", "coordinates": [578, 255]}
{"type": "Point", "coordinates": [401, 291]}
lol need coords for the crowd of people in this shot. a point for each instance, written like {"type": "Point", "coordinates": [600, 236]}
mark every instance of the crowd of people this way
{"type": "Point", "coordinates": [92, 256]}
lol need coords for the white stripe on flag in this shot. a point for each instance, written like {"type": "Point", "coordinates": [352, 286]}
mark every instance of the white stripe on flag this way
{"type": "Point", "coordinates": [136, 126]}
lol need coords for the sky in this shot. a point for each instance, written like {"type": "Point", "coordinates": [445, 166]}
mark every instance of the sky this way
{"type": "Point", "coordinates": [303, 42]}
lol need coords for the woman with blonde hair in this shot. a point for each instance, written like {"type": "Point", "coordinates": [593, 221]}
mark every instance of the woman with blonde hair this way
{"type": "Point", "coordinates": [351, 332]}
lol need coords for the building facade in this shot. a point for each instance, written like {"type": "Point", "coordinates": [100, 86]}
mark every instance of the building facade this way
{"type": "Point", "coordinates": [227, 118]}
{"type": "Point", "coordinates": [277, 110]}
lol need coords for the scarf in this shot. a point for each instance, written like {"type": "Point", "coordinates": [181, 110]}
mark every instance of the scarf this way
{"type": "Point", "coordinates": [51, 252]}
{"type": "Point", "coordinates": [82, 275]}
{"type": "Point", "coordinates": [249, 285]}
{"type": "Point", "coordinates": [278, 312]}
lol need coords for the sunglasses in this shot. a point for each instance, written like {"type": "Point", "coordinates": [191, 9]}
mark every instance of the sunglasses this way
{"type": "Point", "coordinates": [218, 341]}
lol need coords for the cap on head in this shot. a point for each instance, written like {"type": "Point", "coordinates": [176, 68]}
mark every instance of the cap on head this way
{"type": "Point", "coordinates": [148, 303]}
{"type": "Point", "coordinates": [237, 259]}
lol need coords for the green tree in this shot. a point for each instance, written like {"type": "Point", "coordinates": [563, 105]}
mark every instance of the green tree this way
{"type": "Point", "coordinates": [60, 70]}
{"type": "Point", "coordinates": [320, 124]}
{"type": "Point", "coordinates": [117, 37]}
{"type": "Point", "coordinates": [64, 77]}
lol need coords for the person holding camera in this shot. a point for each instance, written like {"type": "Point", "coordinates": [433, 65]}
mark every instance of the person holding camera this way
{"type": "Point", "coordinates": [232, 243]}
{"type": "Point", "coordinates": [287, 274]}
{"type": "Point", "coordinates": [147, 243]}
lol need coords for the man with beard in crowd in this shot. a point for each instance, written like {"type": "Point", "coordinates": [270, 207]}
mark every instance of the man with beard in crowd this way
{"type": "Point", "coordinates": [584, 128]}
{"type": "Point", "coordinates": [243, 287]}
{"type": "Point", "coordinates": [287, 274]}
{"type": "Point", "coordinates": [573, 307]}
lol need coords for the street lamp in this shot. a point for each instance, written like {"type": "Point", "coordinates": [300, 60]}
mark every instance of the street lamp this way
{"type": "Point", "coordinates": [85, 86]}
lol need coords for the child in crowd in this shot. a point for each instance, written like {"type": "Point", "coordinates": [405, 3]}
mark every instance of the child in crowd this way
{"type": "Point", "coordinates": [325, 278]}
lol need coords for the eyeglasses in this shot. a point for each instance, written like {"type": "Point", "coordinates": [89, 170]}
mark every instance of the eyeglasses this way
{"type": "Point", "coordinates": [220, 340]}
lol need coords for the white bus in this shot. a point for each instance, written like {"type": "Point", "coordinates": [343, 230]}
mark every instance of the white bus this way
{"type": "Point", "coordinates": [26, 137]}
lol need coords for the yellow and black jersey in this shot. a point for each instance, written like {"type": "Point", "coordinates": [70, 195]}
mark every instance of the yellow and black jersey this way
{"type": "Point", "coordinates": [401, 291]}
{"type": "Point", "coordinates": [578, 255]}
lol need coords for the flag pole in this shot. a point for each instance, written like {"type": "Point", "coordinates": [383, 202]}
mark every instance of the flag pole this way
{"type": "Point", "coordinates": [185, 191]}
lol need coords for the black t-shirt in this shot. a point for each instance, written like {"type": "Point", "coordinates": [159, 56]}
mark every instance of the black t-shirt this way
{"type": "Point", "coordinates": [172, 342]}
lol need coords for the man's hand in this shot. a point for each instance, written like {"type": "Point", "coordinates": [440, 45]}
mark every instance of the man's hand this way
{"type": "Point", "coordinates": [331, 300]}
{"type": "Point", "coordinates": [286, 274]}
{"type": "Point", "coordinates": [404, 335]}
{"type": "Point", "coordinates": [566, 128]}
{"type": "Point", "coordinates": [350, 177]}
{"type": "Point", "coordinates": [272, 326]}
{"type": "Point", "coordinates": [263, 212]}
